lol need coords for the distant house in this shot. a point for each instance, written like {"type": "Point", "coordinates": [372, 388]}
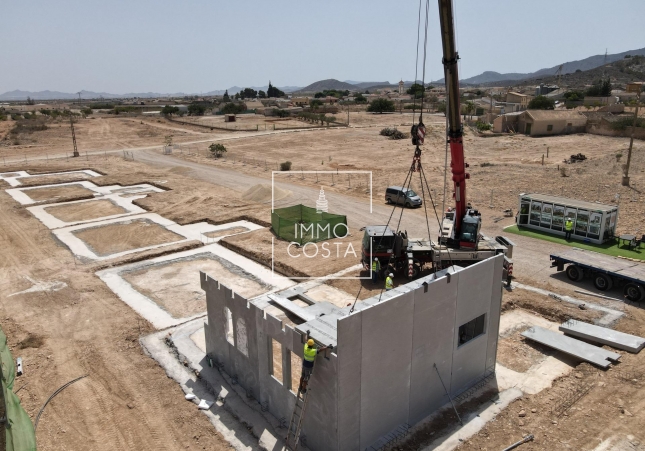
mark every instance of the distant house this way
{"type": "Point", "coordinates": [516, 97]}
{"type": "Point", "coordinates": [551, 122]}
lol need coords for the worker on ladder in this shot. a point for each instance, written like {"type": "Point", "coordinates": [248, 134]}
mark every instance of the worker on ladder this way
{"type": "Point", "coordinates": [310, 353]}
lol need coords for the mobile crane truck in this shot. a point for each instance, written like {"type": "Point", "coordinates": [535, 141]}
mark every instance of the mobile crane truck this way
{"type": "Point", "coordinates": [460, 241]}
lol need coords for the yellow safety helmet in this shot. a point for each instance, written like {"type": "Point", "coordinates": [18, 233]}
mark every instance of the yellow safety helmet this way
{"type": "Point", "coordinates": [310, 343]}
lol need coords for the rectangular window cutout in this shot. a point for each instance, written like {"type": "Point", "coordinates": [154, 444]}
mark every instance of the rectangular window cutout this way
{"type": "Point", "coordinates": [276, 361]}
{"type": "Point", "coordinates": [472, 329]}
{"type": "Point", "coordinates": [296, 371]}
{"type": "Point", "coordinates": [228, 325]}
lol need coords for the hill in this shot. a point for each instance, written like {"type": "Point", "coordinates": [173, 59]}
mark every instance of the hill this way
{"type": "Point", "coordinates": [569, 67]}
{"type": "Point", "coordinates": [330, 83]}
{"type": "Point", "coordinates": [620, 72]}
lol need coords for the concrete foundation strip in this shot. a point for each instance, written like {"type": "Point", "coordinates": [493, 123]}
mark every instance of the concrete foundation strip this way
{"type": "Point", "coordinates": [603, 335]}
{"type": "Point", "coordinates": [571, 346]}
{"type": "Point", "coordinates": [609, 318]}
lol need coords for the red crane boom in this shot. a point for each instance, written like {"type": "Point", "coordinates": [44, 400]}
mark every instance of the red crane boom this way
{"type": "Point", "coordinates": [455, 129]}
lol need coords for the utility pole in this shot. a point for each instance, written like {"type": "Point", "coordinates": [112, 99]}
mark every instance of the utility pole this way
{"type": "Point", "coordinates": [71, 123]}
{"type": "Point", "coordinates": [631, 139]}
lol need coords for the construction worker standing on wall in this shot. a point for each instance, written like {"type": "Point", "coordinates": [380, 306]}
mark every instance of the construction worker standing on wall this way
{"type": "Point", "coordinates": [389, 283]}
{"type": "Point", "coordinates": [376, 269]}
{"type": "Point", "coordinates": [568, 228]}
{"type": "Point", "coordinates": [310, 353]}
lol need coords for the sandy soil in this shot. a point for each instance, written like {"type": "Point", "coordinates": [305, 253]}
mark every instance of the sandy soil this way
{"type": "Point", "coordinates": [58, 192]}
{"type": "Point", "coordinates": [124, 236]}
{"type": "Point", "coordinates": [175, 286]}
{"type": "Point", "coordinates": [127, 401]}
{"type": "Point", "coordinates": [261, 245]}
{"type": "Point", "coordinates": [85, 211]}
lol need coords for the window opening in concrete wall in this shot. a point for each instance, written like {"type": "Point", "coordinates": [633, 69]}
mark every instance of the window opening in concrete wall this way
{"type": "Point", "coordinates": [296, 371]}
{"type": "Point", "coordinates": [242, 341]}
{"type": "Point", "coordinates": [276, 360]}
{"type": "Point", "coordinates": [228, 324]}
{"type": "Point", "coordinates": [472, 329]}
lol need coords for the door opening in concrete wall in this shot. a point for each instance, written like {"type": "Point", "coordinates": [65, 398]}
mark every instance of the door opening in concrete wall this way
{"type": "Point", "coordinates": [296, 371]}
{"type": "Point", "coordinates": [228, 324]}
{"type": "Point", "coordinates": [242, 341]}
{"type": "Point", "coordinates": [276, 360]}
{"type": "Point", "coordinates": [471, 329]}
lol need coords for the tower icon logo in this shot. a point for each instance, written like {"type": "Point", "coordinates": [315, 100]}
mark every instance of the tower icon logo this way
{"type": "Point", "coordinates": [322, 206]}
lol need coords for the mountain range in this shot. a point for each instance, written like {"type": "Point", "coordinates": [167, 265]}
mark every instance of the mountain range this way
{"type": "Point", "coordinates": [567, 68]}
{"type": "Point", "coordinates": [485, 78]}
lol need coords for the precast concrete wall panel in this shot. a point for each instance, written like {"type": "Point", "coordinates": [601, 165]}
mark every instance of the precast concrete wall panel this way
{"type": "Point", "coordinates": [385, 366]}
{"type": "Point", "coordinates": [432, 342]}
{"type": "Point", "coordinates": [349, 381]}
{"type": "Point", "coordinates": [473, 300]}
{"type": "Point", "coordinates": [495, 312]}
{"type": "Point", "coordinates": [319, 425]}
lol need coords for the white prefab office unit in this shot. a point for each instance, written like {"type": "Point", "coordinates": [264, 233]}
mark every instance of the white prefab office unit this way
{"type": "Point", "coordinates": [593, 222]}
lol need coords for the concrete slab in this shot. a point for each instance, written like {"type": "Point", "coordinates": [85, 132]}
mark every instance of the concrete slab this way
{"type": "Point", "coordinates": [14, 178]}
{"type": "Point", "coordinates": [603, 335]}
{"type": "Point", "coordinates": [158, 316]}
{"type": "Point", "coordinates": [571, 346]}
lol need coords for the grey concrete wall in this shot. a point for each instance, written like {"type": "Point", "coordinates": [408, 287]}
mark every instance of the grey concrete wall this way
{"type": "Point", "coordinates": [254, 371]}
{"type": "Point", "coordinates": [387, 352]}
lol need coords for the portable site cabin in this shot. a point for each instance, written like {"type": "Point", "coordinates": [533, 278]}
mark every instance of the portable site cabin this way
{"type": "Point", "coordinates": [595, 223]}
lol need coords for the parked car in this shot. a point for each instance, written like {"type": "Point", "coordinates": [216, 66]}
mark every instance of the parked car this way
{"type": "Point", "coordinates": [402, 196]}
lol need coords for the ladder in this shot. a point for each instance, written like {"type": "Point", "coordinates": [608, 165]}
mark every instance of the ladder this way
{"type": "Point", "coordinates": [295, 425]}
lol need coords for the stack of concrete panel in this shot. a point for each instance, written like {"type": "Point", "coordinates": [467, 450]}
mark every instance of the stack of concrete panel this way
{"type": "Point", "coordinates": [571, 346]}
{"type": "Point", "coordinates": [602, 335]}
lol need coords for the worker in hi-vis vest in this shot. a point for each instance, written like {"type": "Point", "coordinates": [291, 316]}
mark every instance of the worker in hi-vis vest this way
{"type": "Point", "coordinates": [568, 228]}
{"type": "Point", "coordinates": [376, 269]}
{"type": "Point", "coordinates": [310, 352]}
{"type": "Point", "coordinates": [389, 283]}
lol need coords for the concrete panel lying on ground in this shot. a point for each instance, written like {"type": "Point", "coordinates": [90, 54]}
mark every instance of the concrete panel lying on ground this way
{"type": "Point", "coordinates": [603, 335]}
{"type": "Point", "coordinates": [571, 346]}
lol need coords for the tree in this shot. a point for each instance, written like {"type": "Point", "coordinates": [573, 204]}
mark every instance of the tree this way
{"type": "Point", "coordinates": [381, 106]}
{"type": "Point", "coordinates": [274, 92]}
{"type": "Point", "coordinates": [469, 108]}
{"type": "Point", "coordinates": [262, 94]}
{"type": "Point", "coordinates": [232, 108]}
{"type": "Point", "coordinates": [195, 109]}
{"type": "Point", "coordinates": [601, 88]}
{"type": "Point", "coordinates": [226, 97]}
{"type": "Point", "coordinates": [541, 103]}
{"type": "Point", "coordinates": [248, 93]}
{"type": "Point", "coordinates": [416, 90]}
{"type": "Point", "coordinates": [217, 150]}
{"type": "Point", "coordinates": [313, 103]}
{"type": "Point", "coordinates": [169, 110]}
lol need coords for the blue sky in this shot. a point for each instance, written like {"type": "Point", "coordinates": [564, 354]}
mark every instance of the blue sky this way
{"type": "Point", "coordinates": [121, 46]}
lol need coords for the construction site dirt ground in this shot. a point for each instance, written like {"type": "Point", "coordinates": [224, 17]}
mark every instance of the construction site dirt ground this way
{"type": "Point", "coordinates": [128, 402]}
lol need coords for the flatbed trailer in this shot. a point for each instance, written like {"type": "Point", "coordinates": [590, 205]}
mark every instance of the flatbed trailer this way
{"type": "Point", "coordinates": [605, 271]}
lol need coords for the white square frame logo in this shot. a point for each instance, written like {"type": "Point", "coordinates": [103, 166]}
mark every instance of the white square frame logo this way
{"type": "Point", "coordinates": [337, 172]}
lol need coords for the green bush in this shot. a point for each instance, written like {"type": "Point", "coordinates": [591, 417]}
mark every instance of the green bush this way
{"type": "Point", "coordinates": [625, 123]}
{"type": "Point", "coordinates": [381, 106]}
{"type": "Point", "coordinates": [482, 126]}
{"type": "Point", "coordinates": [286, 166]}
